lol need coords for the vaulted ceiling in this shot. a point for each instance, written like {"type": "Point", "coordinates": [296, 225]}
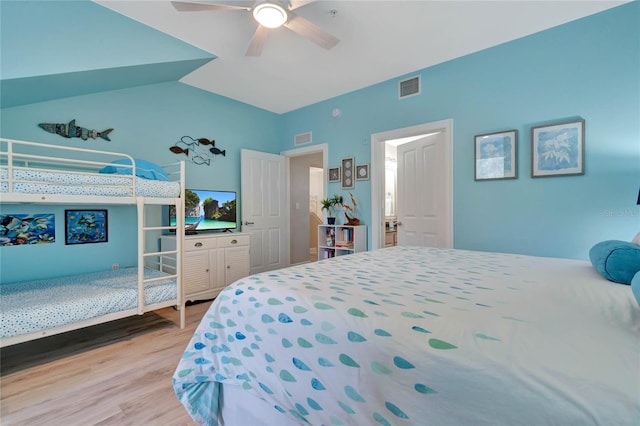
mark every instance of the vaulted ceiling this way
{"type": "Point", "coordinates": [379, 40]}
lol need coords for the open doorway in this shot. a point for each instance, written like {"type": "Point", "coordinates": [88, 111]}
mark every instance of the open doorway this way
{"type": "Point", "coordinates": [307, 177]}
{"type": "Point", "coordinates": [422, 202]}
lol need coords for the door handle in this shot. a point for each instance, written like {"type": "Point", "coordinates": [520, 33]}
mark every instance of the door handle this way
{"type": "Point", "coordinates": [246, 222]}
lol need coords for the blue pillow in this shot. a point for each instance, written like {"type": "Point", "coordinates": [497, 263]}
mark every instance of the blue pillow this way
{"type": "Point", "coordinates": [635, 286]}
{"type": "Point", "coordinates": [617, 261]}
{"type": "Point", "coordinates": [144, 169]}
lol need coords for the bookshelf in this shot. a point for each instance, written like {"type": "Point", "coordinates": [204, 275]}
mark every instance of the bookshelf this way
{"type": "Point", "coordinates": [339, 240]}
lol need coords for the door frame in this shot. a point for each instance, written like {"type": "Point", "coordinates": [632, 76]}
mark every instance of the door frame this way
{"type": "Point", "coordinates": [377, 174]}
{"type": "Point", "coordinates": [296, 152]}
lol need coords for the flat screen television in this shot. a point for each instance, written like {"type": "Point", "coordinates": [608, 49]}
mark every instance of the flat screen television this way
{"type": "Point", "coordinates": [207, 211]}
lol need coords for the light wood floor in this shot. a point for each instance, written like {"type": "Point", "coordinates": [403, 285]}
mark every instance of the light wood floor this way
{"type": "Point", "coordinates": [117, 373]}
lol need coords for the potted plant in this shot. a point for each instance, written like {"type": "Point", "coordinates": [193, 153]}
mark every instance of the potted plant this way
{"type": "Point", "coordinates": [330, 204]}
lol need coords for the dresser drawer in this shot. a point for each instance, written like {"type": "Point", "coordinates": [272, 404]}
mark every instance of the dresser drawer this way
{"type": "Point", "coordinates": [233, 241]}
{"type": "Point", "coordinates": [191, 244]}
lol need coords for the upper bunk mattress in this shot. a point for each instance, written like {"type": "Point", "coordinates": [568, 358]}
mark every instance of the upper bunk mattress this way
{"type": "Point", "coordinates": [64, 183]}
{"type": "Point", "coordinates": [32, 306]}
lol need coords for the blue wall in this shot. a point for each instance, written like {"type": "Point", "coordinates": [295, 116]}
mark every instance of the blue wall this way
{"type": "Point", "coordinates": [588, 69]}
{"type": "Point", "coordinates": [147, 120]}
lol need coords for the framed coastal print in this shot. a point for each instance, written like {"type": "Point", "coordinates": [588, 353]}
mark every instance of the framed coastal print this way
{"type": "Point", "coordinates": [558, 149]}
{"type": "Point", "coordinates": [334, 174]}
{"type": "Point", "coordinates": [85, 226]}
{"type": "Point", "coordinates": [348, 173]}
{"type": "Point", "coordinates": [362, 172]}
{"type": "Point", "coordinates": [496, 155]}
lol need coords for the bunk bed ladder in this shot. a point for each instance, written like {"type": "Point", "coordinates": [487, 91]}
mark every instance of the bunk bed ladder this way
{"type": "Point", "coordinates": [142, 254]}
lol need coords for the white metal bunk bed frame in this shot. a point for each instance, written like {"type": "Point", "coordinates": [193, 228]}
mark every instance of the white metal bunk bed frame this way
{"type": "Point", "coordinates": [14, 160]}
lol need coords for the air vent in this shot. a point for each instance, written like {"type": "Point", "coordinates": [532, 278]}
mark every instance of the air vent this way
{"type": "Point", "coordinates": [302, 139]}
{"type": "Point", "coordinates": [409, 87]}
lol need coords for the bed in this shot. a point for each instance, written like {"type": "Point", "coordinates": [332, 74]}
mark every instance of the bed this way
{"type": "Point", "coordinates": [409, 335]}
{"type": "Point", "coordinates": [32, 172]}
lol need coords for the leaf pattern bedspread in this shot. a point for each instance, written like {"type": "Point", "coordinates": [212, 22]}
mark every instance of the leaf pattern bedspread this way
{"type": "Point", "coordinates": [421, 336]}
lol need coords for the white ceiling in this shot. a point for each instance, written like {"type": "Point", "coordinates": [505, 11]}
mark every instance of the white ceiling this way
{"type": "Point", "coordinates": [379, 40]}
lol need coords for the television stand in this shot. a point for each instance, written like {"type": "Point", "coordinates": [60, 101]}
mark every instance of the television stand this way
{"type": "Point", "coordinates": [228, 230]}
{"type": "Point", "coordinates": [190, 232]}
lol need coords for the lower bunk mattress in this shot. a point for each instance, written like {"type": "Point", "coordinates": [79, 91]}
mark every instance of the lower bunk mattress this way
{"type": "Point", "coordinates": [33, 306]}
{"type": "Point", "coordinates": [418, 336]}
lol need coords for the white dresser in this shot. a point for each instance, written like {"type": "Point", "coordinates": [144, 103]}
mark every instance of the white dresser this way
{"type": "Point", "coordinates": [211, 262]}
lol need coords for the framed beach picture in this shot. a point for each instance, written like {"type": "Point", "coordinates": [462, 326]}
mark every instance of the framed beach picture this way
{"type": "Point", "coordinates": [496, 155]}
{"type": "Point", "coordinates": [348, 173]}
{"type": "Point", "coordinates": [85, 226]}
{"type": "Point", "coordinates": [334, 174]}
{"type": "Point", "coordinates": [558, 149]}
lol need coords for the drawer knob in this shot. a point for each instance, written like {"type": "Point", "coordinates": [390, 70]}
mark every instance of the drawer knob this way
{"type": "Point", "coordinates": [234, 241]}
{"type": "Point", "coordinates": [198, 244]}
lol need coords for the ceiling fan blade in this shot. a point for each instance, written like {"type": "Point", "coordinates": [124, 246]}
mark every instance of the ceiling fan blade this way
{"type": "Point", "coordinates": [306, 29]}
{"type": "Point", "coordinates": [299, 3]}
{"type": "Point", "coordinates": [257, 41]}
{"type": "Point", "coordinates": [199, 7]}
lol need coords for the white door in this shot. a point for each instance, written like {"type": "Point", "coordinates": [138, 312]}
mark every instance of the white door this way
{"type": "Point", "coordinates": [264, 213]}
{"type": "Point", "coordinates": [423, 194]}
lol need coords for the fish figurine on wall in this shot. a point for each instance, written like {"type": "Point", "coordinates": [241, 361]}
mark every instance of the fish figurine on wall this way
{"type": "Point", "coordinates": [70, 130]}
{"type": "Point", "coordinates": [192, 149]}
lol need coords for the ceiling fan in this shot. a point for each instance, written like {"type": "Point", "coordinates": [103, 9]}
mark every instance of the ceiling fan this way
{"type": "Point", "coordinates": [269, 14]}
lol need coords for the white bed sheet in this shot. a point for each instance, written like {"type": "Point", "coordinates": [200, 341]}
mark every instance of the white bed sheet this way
{"type": "Point", "coordinates": [442, 337]}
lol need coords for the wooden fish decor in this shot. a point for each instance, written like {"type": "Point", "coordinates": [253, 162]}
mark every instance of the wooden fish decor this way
{"type": "Point", "coordinates": [197, 150]}
{"type": "Point", "coordinates": [70, 130]}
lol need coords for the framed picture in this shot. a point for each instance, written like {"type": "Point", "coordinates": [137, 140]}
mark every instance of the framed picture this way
{"type": "Point", "coordinates": [85, 226]}
{"type": "Point", "coordinates": [21, 229]}
{"type": "Point", "coordinates": [348, 173]}
{"type": "Point", "coordinates": [557, 149]}
{"type": "Point", "coordinates": [334, 174]}
{"type": "Point", "coordinates": [496, 155]}
{"type": "Point", "coordinates": [362, 172]}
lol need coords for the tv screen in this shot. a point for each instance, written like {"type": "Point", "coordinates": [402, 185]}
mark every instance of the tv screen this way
{"type": "Point", "coordinates": [207, 210]}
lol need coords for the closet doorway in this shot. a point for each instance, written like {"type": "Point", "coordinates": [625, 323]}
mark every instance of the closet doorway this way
{"type": "Point", "coordinates": [422, 202]}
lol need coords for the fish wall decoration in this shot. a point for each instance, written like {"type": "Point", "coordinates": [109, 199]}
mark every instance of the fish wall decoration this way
{"type": "Point", "coordinates": [197, 150]}
{"type": "Point", "coordinates": [70, 130]}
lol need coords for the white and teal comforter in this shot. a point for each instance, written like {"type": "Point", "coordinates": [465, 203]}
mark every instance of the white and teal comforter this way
{"type": "Point", "coordinates": [419, 336]}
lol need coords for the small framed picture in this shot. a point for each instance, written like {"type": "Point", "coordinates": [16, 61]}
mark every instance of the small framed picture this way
{"type": "Point", "coordinates": [362, 172]}
{"type": "Point", "coordinates": [85, 226]}
{"type": "Point", "coordinates": [348, 173]}
{"type": "Point", "coordinates": [496, 155]}
{"type": "Point", "coordinates": [334, 174]}
{"type": "Point", "coordinates": [557, 149]}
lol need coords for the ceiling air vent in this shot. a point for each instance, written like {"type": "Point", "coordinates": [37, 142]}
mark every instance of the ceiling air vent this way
{"type": "Point", "coordinates": [409, 87]}
{"type": "Point", "coordinates": [302, 139]}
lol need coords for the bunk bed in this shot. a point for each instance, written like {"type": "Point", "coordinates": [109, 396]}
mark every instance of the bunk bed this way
{"type": "Point", "coordinates": [32, 172]}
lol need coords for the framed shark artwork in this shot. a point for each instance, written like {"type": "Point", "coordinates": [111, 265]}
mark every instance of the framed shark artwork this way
{"type": "Point", "coordinates": [85, 226]}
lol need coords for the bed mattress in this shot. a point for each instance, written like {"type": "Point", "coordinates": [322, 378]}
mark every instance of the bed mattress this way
{"type": "Point", "coordinates": [110, 185]}
{"type": "Point", "coordinates": [32, 306]}
{"type": "Point", "coordinates": [406, 336]}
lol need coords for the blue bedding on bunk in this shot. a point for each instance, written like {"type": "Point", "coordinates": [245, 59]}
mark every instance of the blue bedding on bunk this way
{"type": "Point", "coordinates": [63, 183]}
{"type": "Point", "coordinates": [407, 336]}
{"type": "Point", "coordinates": [32, 306]}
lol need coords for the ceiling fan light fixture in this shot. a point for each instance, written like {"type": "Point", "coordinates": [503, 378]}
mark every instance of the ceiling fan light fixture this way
{"type": "Point", "coordinates": [270, 15]}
